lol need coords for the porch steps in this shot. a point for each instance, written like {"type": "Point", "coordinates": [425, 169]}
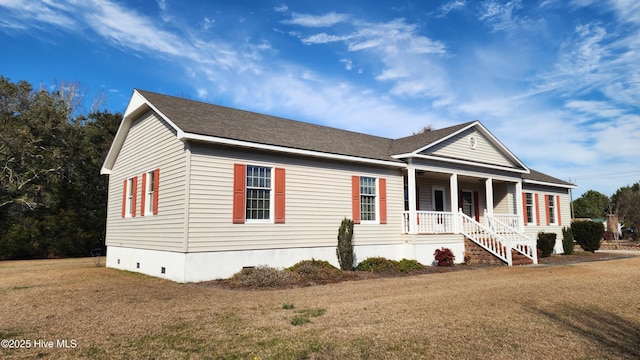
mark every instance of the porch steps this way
{"type": "Point", "coordinates": [479, 255]}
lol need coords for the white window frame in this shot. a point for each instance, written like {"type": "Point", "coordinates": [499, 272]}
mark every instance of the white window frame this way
{"type": "Point", "coordinates": [130, 193]}
{"type": "Point", "coordinates": [533, 208]}
{"type": "Point", "coordinates": [553, 216]}
{"type": "Point", "coordinates": [148, 201]}
{"type": "Point", "coordinates": [272, 180]}
{"type": "Point", "coordinates": [473, 208]}
{"type": "Point", "coordinates": [376, 200]}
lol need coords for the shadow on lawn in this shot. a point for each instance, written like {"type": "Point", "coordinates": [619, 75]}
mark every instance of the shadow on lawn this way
{"type": "Point", "coordinates": [617, 336]}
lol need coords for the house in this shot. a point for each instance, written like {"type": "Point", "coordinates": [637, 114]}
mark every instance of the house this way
{"type": "Point", "coordinates": [199, 191]}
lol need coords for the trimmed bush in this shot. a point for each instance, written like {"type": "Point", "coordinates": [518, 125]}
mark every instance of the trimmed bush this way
{"type": "Point", "coordinates": [588, 234]}
{"type": "Point", "coordinates": [567, 241]}
{"type": "Point", "coordinates": [407, 266]}
{"type": "Point", "coordinates": [316, 270]}
{"type": "Point", "coordinates": [344, 251]}
{"type": "Point", "coordinates": [546, 242]}
{"type": "Point", "coordinates": [444, 257]}
{"type": "Point", "coordinates": [377, 264]}
{"type": "Point", "coordinates": [263, 276]}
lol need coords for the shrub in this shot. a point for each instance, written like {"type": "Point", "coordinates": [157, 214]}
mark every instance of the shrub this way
{"type": "Point", "coordinates": [567, 240]}
{"type": "Point", "coordinates": [444, 257]}
{"type": "Point", "coordinates": [546, 242]}
{"type": "Point", "coordinates": [377, 264]}
{"type": "Point", "coordinates": [264, 276]}
{"type": "Point", "coordinates": [344, 251]}
{"type": "Point", "coordinates": [588, 234]}
{"type": "Point", "coordinates": [407, 266]}
{"type": "Point", "coordinates": [316, 270]}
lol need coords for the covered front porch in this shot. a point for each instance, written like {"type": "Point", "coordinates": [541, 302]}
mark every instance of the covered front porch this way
{"type": "Point", "coordinates": [485, 209]}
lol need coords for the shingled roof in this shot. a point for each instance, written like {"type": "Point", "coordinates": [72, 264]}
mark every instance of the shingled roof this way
{"type": "Point", "coordinates": [213, 120]}
{"type": "Point", "coordinates": [209, 120]}
{"type": "Point", "coordinates": [544, 178]}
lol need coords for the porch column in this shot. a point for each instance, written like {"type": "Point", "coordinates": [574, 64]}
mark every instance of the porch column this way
{"type": "Point", "coordinates": [411, 192]}
{"type": "Point", "coordinates": [488, 183]}
{"type": "Point", "coordinates": [519, 205]}
{"type": "Point", "coordinates": [453, 186]}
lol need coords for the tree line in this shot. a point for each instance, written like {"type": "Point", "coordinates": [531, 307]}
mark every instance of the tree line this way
{"type": "Point", "coordinates": [625, 203]}
{"type": "Point", "coordinates": [52, 196]}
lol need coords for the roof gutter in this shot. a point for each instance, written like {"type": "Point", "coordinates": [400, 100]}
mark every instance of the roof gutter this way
{"type": "Point", "coordinates": [184, 136]}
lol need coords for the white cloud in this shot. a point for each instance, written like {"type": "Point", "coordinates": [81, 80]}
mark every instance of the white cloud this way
{"type": "Point", "coordinates": [306, 20]}
{"type": "Point", "coordinates": [281, 8]}
{"type": "Point", "coordinates": [446, 8]}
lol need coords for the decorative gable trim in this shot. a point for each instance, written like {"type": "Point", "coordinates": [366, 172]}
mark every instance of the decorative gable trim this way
{"type": "Point", "coordinates": [522, 168]}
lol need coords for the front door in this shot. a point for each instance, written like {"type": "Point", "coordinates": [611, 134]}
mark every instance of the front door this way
{"type": "Point", "coordinates": [438, 206]}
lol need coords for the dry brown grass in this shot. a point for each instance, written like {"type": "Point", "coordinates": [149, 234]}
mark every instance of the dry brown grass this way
{"type": "Point", "coordinates": [589, 310]}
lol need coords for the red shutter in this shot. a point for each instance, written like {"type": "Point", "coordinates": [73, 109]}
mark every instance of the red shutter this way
{"type": "Point", "coordinates": [134, 194]}
{"type": "Point", "coordinates": [156, 190]}
{"type": "Point", "coordinates": [144, 196]}
{"type": "Point", "coordinates": [355, 199]}
{"type": "Point", "coordinates": [239, 183]}
{"type": "Point", "coordinates": [383, 200]}
{"type": "Point", "coordinates": [280, 196]}
{"type": "Point", "coordinates": [417, 198]}
{"type": "Point", "coordinates": [124, 198]}
{"type": "Point", "coordinates": [537, 210]}
{"type": "Point", "coordinates": [546, 206]}
{"type": "Point", "coordinates": [476, 205]}
{"type": "Point", "coordinates": [558, 209]}
{"type": "Point", "coordinates": [524, 209]}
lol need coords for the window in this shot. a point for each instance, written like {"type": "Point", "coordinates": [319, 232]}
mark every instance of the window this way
{"type": "Point", "coordinates": [551, 206]}
{"type": "Point", "coordinates": [148, 196]}
{"type": "Point", "coordinates": [258, 194]}
{"type": "Point", "coordinates": [149, 199]}
{"type": "Point", "coordinates": [367, 198]}
{"type": "Point", "coordinates": [258, 202]}
{"type": "Point", "coordinates": [150, 186]}
{"type": "Point", "coordinates": [129, 197]}
{"type": "Point", "coordinates": [467, 203]}
{"type": "Point", "coordinates": [529, 208]}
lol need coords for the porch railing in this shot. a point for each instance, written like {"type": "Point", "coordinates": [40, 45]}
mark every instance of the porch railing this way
{"type": "Point", "coordinates": [517, 240]}
{"type": "Point", "coordinates": [508, 220]}
{"type": "Point", "coordinates": [499, 237]}
{"type": "Point", "coordinates": [431, 222]}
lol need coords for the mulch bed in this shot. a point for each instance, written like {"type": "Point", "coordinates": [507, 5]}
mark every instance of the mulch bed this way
{"type": "Point", "coordinates": [578, 257]}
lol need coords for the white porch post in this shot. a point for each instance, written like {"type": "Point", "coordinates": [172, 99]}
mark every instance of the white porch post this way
{"type": "Point", "coordinates": [453, 186]}
{"type": "Point", "coordinates": [519, 205]}
{"type": "Point", "coordinates": [489, 194]}
{"type": "Point", "coordinates": [411, 192]}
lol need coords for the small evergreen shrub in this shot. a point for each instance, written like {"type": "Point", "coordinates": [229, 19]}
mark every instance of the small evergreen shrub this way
{"type": "Point", "coordinates": [377, 264]}
{"type": "Point", "coordinates": [546, 242]}
{"type": "Point", "coordinates": [567, 241]}
{"type": "Point", "coordinates": [316, 270]}
{"type": "Point", "coordinates": [344, 251]}
{"type": "Point", "coordinates": [587, 234]}
{"type": "Point", "coordinates": [263, 276]}
{"type": "Point", "coordinates": [444, 257]}
{"type": "Point", "coordinates": [407, 266]}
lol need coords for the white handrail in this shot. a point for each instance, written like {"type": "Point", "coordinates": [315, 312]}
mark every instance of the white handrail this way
{"type": "Point", "coordinates": [486, 238]}
{"type": "Point", "coordinates": [519, 241]}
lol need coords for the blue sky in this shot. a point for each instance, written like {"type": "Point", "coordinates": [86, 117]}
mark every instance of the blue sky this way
{"type": "Point", "coordinates": [557, 81]}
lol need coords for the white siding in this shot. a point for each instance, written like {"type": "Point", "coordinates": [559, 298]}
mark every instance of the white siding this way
{"type": "Point", "coordinates": [150, 144]}
{"type": "Point", "coordinates": [318, 197]}
{"type": "Point", "coordinates": [458, 147]}
{"type": "Point", "coordinates": [504, 201]}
